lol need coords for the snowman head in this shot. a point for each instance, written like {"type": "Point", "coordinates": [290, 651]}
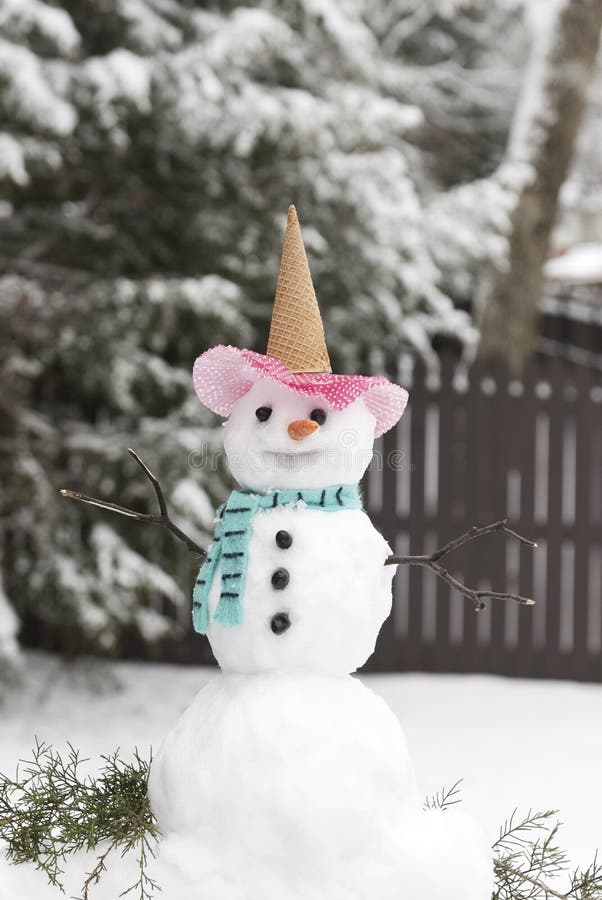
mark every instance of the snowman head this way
{"type": "Point", "coordinates": [292, 423]}
{"type": "Point", "coordinates": [277, 438]}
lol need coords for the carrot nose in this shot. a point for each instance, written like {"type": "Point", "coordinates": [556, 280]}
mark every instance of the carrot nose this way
{"type": "Point", "coordinates": [300, 428]}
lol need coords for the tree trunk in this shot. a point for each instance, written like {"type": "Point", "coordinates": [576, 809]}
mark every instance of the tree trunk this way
{"type": "Point", "coordinates": [542, 141]}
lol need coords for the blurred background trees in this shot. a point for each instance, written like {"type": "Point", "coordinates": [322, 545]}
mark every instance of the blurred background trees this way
{"type": "Point", "coordinates": [542, 140]}
{"type": "Point", "coordinates": [149, 151]}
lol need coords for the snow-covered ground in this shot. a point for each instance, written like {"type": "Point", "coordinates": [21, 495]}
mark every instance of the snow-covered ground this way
{"type": "Point", "coordinates": [516, 743]}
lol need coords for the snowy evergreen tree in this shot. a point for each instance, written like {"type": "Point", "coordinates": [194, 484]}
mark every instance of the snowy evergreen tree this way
{"type": "Point", "coordinates": [149, 151]}
{"type": "Point", "coordinates": [456, 56]}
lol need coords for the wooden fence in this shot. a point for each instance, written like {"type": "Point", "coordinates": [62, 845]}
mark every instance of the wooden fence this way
{"type": "Point", "coordinates": [472, 447]}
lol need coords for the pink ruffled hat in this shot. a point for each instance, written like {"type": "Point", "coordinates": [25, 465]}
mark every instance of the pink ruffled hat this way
{"type": "Point", "coordinates": [296, 356]}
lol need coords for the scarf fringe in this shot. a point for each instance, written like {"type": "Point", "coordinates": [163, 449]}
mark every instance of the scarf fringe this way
{"type": "Point", "coordinates": [200, 613]}
{"type": "Point", "coordinates": [228, 612]}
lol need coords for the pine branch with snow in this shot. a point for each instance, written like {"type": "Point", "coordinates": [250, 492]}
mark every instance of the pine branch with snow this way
{"type": "Point", "coordinates": [50, 810]}
{"type": "Point", "coordinates": [71, 408]}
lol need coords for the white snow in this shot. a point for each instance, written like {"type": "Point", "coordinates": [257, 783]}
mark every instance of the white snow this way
{"type": "Point", "coordinates": [21, 18]}
{"type": "Point", "coordinates": [120, 76]}
{"type": "Point", "coordinates": [190, 499]}
{"type": "Point", "coordinates": [290, 786]}
{"type": "Point", "coordinates": [123, 571]}
{"type": "Point", "coordinates": [515, 742]}
{"type": "Point", "coordinates": [266, 457]}
{"type": "Point", "coordinates": [540, 12]}
{"type": "Point", "coordinates": [9, 627]}
{"type": "Point", "coordinates": [28, 92]}
{"type": "Point", "coordinates": [581, 264]}
{"type": "Point", "coordinates": [12, 165]}
{"type": "Point", "coordinates": [146, 27]}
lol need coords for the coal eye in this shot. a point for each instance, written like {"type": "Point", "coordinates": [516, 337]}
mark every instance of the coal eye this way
{"type": "Point", "coordinates": [318, 415]}
{"type": "Point", "coordinates": [263, 413]}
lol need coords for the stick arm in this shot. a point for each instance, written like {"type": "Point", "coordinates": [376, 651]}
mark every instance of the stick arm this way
{"type": "Point", "coordinates": [431, 561]}
{"type": "Point", "coordinates": [162, 518]}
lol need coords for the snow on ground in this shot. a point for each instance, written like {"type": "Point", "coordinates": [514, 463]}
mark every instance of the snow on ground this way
{"type": "Point", "coordinates": [515, 743]}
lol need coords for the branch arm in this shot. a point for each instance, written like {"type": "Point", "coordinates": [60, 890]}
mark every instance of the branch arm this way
{"type": "Point", "coordinates": [162, 519]}
{"type": "Point", "coordinates": [153, 480]}
{"type": "Point", "coordinates": [477, 597]}
{"type": "Point", "coordinates": [476, 532]}
{"type": "Point", "coordinates": [112, 507]}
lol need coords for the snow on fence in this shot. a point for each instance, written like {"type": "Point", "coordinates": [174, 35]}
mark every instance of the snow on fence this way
{"type": "Point", "coordinates": [473, 447]}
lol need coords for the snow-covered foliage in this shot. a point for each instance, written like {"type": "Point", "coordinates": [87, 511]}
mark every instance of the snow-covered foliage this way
{"type": "Point", "coordinates": [149, 151]}
{"type": "Point", "coordinates": [210, 120]}
{"type": "Point", "coordinates": [88, 374]}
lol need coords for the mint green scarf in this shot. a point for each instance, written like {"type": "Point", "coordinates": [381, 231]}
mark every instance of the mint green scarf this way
{"type": "Point", "coordinates": [230, 545]}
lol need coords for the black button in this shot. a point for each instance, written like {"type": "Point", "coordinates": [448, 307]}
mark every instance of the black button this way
{"type": "Point", "coordinates": [284, 539]}
{"type": "Point", "coordinates": [280, 579]}
{"type": "Point", "coordinates": [280, 623]}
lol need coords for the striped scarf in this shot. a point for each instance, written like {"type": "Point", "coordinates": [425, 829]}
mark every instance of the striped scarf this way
{"type": "Point", "coordinates": [230, 545]}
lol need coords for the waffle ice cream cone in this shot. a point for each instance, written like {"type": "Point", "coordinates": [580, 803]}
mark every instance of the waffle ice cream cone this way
{"type": "Point", "coordinates": [296, 332]}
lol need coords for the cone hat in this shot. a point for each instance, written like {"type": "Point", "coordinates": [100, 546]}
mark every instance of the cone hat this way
{"type": "Point", "coordinates": [296, 332]}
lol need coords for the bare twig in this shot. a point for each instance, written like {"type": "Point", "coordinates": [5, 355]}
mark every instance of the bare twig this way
{"type": "Point", "coordinates": [431, 561]}
{"type": "Point", "coordinates": [161, 519]}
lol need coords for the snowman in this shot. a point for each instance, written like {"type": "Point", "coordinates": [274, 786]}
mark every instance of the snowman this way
{"type": "Point", "coordinates": [287, 779]}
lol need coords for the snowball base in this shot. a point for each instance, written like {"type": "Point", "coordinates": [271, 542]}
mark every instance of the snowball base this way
{"type": "Point", "coordinates": [281, 786]}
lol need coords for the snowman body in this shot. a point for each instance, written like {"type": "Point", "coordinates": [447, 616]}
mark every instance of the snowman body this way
{"type": "Point", "coordinates": [286, 778]}
{"type": "Point", "coordinates": [316, 593]}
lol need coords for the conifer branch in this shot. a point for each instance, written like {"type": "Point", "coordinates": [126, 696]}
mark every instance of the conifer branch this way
{"type": "Point", "coordinates": [525, 867]}
{"type": "Point", "coordinates": [445, 797]}
{"type": "Point", "coordinates": [431, 561]}
{"type": "Point", "coordinates": [163, 519]}
{"type": "Point", "coordinates": [49, 811]}
{"type": "Point", "coordinates": [101, 866]}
